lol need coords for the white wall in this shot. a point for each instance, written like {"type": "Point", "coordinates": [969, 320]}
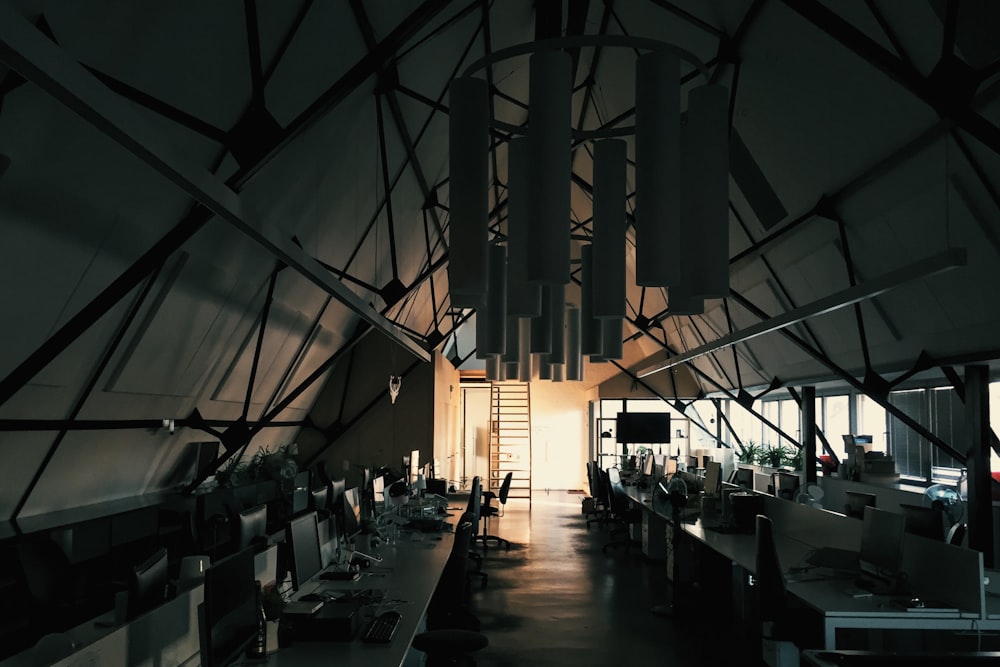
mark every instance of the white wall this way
{"type": "Point", "coordinates": [559, 435]}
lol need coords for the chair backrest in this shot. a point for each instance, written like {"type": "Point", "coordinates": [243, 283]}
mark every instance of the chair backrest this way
{"type": "Point", "coordinates": [475, 501]}
{"type": "Point", "coordinates": [451, 589]}
{"type": "Point", "coordinates": [770, 582]}
{"type": "Point", "coordinates": [618, 500]}
{"type": "Point", "coordinates": [505, 488]}
{"type": "Point", "coordinates": [590, 479]}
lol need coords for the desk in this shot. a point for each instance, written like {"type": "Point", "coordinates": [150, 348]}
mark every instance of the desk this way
{"type": "Point", "coordinates": [940, 571]}
{"type": "Point", "coordinates": [409, 571]}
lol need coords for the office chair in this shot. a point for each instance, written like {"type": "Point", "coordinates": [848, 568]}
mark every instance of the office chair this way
{"type": "Point", "coordinates": [623, 512]}
{"type": "Point", "coordinates": [492, 510]}
{"type": "Point", "coordinates": [448, 607]}
{"type": "Point", "coordinates": [474, 506]}
{"type": "Point", "coordinates": [449, 648]}
{"type": "Point", "coordinates": [772, 599]}
{"type": "Point", "coordinates": [598, 491]}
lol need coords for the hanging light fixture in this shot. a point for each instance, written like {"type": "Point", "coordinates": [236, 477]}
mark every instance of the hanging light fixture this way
{"type": "Point", "coordinates": [681, 197]}
{"type": "Point", "coordinates": [494, 314]}
{"type": "Point", "coordinates": [574, 358]}
{"type": "Point", "coordinates": [591, 341]}
{"type": "Point", "coordinates": [549, 135]}
{"type": "Point", "coordinates": [468, 160]}
{"type": "Point", "coordinates": [608, 268]}
{"type": "Point", "coordinates": [523, 298]}
{"type": "Point", "coordinates": [657, 169]}
{"type": "Point", "coordinates": [706, 189]}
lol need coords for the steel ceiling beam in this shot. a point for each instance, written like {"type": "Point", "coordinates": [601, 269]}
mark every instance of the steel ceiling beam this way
{"type": "Point", "coordinates": [945, 261]}
{"type": "Point", "coordinates": [28, 52]}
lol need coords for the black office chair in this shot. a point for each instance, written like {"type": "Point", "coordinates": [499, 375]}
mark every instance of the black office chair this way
{"type": "Point", "coordinates": [782, 626]}
{"type": "Point", "coordinates": [452, 630]}
{"type": "Point", "coordinates": [489, 510]}
{"type": "Point", "coordinates": [474, 506]}
{"type": "Point", "coordinates": [598, 491]}
{"type": "Point", "coordinates": [624, 514]}
{"type": "Point", "coordinates": [448, 607]}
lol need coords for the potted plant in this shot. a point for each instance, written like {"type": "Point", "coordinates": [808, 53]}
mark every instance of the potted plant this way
{"type": "Point", "coordinates": [793, 458]}
{"type": "Point", "coordinates": [748, 452]}
{"type": "Point", "coordinates": [773, 456]}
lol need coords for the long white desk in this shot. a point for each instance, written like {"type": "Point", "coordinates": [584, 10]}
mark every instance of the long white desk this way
{"type": "Point", "coordinates": [937, 571]}
{"type": "Point", "coordinates": [407, 576]}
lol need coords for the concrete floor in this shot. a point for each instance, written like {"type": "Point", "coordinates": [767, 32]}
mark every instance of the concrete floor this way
{"type": "Point", "coordinates": [555, 598]}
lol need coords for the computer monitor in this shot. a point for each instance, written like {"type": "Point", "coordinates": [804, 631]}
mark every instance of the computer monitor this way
{"type": "Point", "coordinates": [302, 536]}
{"type": "Point", "coordinates": [252, 528]}
{"type": "Point", "coordinates": [669, 465]}
{"type": "Point", "coordinates": [352, 512]}
{"type": "Point", "coordinates": [319, 499]}
{"type": "Point", "coordinates": [743, 477]}
{"type": "Point", "coordinates": [855, 503]}
{"type": "Point", "coordinates": [881, 554]}
{"type": "Point", "coordinates": [649, 465]}
{"type": "Point", "coordinates": [228, 616]}
{"type": "Point", "coordinates": [300, 492]}
{"type": "Point", "coordinates": [924, 521]}
{"type": "Point", "coordinates": [786, 485]}
{"type": "Point", "coordinates": [692, 462]}
{"type": "Point", "coordinates": [378, 489]}
{"type": "Point", "coordinates": [713, 478]}
{"type": "Point", "coordinates": [147, 584]}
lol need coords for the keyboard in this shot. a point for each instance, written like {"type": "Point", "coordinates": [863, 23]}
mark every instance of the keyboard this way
{"type": "Point", "coordinates": [381, 628]}
{"type": "Point", "coordinates": [340, 575]}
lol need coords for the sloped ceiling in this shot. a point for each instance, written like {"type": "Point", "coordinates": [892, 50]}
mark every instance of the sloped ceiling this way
{"type": "Point", "coordinates": [864, 139]}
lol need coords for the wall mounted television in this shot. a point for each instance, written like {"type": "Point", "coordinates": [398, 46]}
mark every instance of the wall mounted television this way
{"type": "Point", "coordinates": [643, 427]}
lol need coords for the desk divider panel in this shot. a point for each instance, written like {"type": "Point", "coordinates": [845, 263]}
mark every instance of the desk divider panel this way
{"type": "Point", "coordinates": [945, 572]}
{"type": "Point", "coordinates": [813, 526]}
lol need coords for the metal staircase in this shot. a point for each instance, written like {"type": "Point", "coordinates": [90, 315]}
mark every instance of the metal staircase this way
{"type": "Point", "coordinates": [510, 438]}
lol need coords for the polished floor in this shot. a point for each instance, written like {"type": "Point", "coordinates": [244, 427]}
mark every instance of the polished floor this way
{"type": "Point", "coordinates": [555, 598]}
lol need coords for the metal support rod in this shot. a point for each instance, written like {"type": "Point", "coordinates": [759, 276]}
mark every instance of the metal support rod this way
{"type": "Point", "coordinates": [268, 300]}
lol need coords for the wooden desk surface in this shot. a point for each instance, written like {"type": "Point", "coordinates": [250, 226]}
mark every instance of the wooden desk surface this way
{"type": "Point", "coordinates": [409, 572]}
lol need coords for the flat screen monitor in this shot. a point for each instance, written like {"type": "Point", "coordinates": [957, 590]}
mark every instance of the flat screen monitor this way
{"type": "Point", "coordinates": [713, 478]}
{"type": "Point", "coordinates": [881, 552]}
{"type": "Point", "coordinates": [924, 521]}
{"type": "Point", "coordinates": [352, 512]}
{"type": "Point", "coordinates": [743, 477]}
{"type": "Point", "coordinates": [786, 485]}
{"type": "Point", "coordinates": [303, 537]}
{"type": "Point", "coordinates": [147, 584]}
{"type": "Point", "coordinates": [228, 616]}
{"type": "Point", "coordinates": [643, 427]}
{"type": "Point", "coordinates": [669, 465]}
{"type": "Point", "coordinates": [414, 464]}
{"type": "Point", "coordinates": [318, 500]}
{"type": "Point", "coordinates": [378, 488]}
{"type": "Point", "coordinates": [252, 528]}
{"type": "Point", "coordinates": [300, 492]}
{"type": "Point", "coordinates": [649, 465]}
{"type": "Point", "coordinates": [855, 503]}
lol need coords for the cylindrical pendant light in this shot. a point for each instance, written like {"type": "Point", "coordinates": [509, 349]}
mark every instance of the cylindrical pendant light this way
{"type": "Point", "coordinates": [558, 299]}
{"type": "Point", "coordinates": [609, 229]}
{"type": "Point", "coordinates": [523, 298]}
{"type": "Point", "coordinates": [512, 344]}
{"type": "Point", "coordinates": [482, 333]}
{"type": "Point", "coordinates": [574, 360]}
{"type": "Point", "coordinates": [541, 326]}
{"type": "Point", "coordinates": [612, 331]}
{"type": "Point", "coordinates": [524, 349]}
{"type": "Point", "coordinates": [706, 189]}
{"type": "Point", "coordinates": [558, 372]}
{"type": "Point", "coordinates": [591, 341]}
{"type": "Point", "coordinates": [680, 301]}
{"type": "Point", "coordinates": [549, 134]}
{"type": "Point", "coordinates": [468, 179]}
{"type": "Point", "coordinates": [543, 365]}
{"type": "Point", "coordinates": [657, 169]}
{"type": "Point", "coordinates": [495, 311]}
{"type": "Point", "coordinates": [494, 369]}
